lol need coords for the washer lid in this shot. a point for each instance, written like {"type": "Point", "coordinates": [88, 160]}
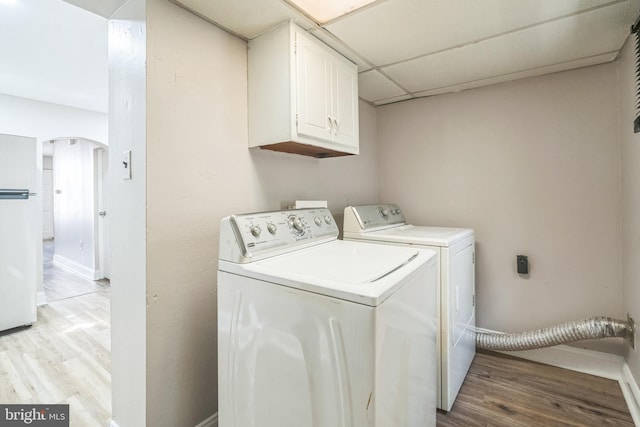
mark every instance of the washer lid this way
{"type": "Point", "coordinates": [360, 272]}
{"type": "Point", "coordinates": [419, 235]}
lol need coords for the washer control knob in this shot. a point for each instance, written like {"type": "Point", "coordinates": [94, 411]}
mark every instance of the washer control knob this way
{"type": "Point", "coordinates": [297, 225]}
{"type": "Point", "coordinates": [384, 213]}
{"type": "Point", "coordinates": [327, 219]}
{"type": "Point", "coordinates": [397, 212]}
{"type": "Point", "coordinates": [318, 221]}
{"type": "Point", "coordinates": [255, 230]}
{"type": "Point", "coordinates": [271, 227]}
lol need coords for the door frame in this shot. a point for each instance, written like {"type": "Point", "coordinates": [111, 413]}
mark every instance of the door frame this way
{"type": "Point", "coordinates": [101, 201]}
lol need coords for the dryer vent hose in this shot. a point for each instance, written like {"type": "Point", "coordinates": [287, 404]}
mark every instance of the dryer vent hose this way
{"type": "Point", "coordinates": [588, 329]}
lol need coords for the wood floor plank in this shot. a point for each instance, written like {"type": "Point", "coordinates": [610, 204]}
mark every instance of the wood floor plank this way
{"type": "Point", "coordinates": [504, 391]}
{"type": "Point", "coordinates": [15, 388]}
{"type": "Point", "coordinates": [64, 357]}
{"type": "Point", "coordinates": [58, 360]}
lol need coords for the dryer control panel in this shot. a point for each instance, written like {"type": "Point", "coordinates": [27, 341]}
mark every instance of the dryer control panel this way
{"type": "Point", "coordinates": [250, 237]}
{"type": "Point", "coordinates": [366, 217]}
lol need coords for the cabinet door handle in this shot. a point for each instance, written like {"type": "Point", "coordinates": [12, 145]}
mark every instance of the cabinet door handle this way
{"type": "Point", "coordinates": [333, 125]}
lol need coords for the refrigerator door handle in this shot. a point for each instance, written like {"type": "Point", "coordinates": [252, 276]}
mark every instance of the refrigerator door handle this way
{"type": "Point", "coordinates": [15, 194]}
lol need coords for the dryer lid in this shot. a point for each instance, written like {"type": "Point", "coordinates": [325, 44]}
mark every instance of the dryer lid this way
{"type": "Point", "coordinates": [413, 234]}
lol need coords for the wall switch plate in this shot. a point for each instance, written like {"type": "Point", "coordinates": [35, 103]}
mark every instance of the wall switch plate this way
{"type": "Point", "coordinates": [126, 164]}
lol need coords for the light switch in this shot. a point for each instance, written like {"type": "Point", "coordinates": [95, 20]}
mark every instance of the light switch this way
{"type": "Point", "coordinates": [126, 164]}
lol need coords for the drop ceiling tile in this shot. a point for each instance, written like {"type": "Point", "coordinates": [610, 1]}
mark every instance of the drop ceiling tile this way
{"type": "Point", "coordinates": [246, 18]}
{"type": "Point", "coordinates": [373, 86]}
{"type": "Point", "coordinates": [594, 60]}
{"type": "Point", "coordinates": [325, 11]}
{"type": "Point", "coordinates": [397, 30]}
{"type": "Point", "coordinates": [337, 45]}
{"type": "Point", "coordinates": [581, 36]}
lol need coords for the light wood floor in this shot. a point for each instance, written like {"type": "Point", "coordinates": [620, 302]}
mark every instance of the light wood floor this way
{"type": "Point", "coordinates": [65, 356]}
{"type": "Point", "coordinates": [505, 391]}
{"type": "Point", "coordinates": [60, 283]}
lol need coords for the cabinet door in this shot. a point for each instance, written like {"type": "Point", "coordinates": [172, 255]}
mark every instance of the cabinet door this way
{"type": "Point", "coordinates": [313, 77]}
{"type": "Point", "coordinates": [345, 102]}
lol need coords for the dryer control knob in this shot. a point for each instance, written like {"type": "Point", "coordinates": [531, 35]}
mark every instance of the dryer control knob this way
{"type": "Point", "coordinates": [318, 221]}
{"type": "Point", "coordinates": [271, 227]}
{"type": "Point", "coordinates": [384, 213]}
{"type": "Point", "coordinates": [327, 219]}
{"type": "Point", "coordinates": [255, 230]}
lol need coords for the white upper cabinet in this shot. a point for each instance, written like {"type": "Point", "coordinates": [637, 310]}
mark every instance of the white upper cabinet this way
{"type": "Point", "coordinates": [303, 96]}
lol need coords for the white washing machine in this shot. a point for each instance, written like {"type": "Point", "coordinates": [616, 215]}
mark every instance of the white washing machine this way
{"type": "Point", "coordinates": [456, 311]}
{"type": "Point", "coordinates": [317, 332]}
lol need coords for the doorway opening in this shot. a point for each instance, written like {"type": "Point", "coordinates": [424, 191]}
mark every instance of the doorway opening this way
{"type": "Point", "coordinates": [75, 217]}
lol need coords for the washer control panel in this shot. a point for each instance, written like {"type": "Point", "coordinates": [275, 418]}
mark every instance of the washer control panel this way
{"type": "Point", "coordinates": [257, 235]}
{"type": "Point", "coordinates": [372, 216]}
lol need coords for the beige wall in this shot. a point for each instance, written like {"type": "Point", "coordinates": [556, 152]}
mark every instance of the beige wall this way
{"type": "Point", "coordinates": [199, 170]}
{"type": "Point", "coordinates": [533, 167]}
{"type": "Point", "coordinates": [630, 195]}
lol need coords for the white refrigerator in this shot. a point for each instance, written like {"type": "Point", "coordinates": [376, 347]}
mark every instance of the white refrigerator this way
{"type": "Point", "coordinates": [20, 230]}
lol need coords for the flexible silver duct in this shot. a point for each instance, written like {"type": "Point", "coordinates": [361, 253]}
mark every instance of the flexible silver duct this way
{"type": "Point", "coordinates": [592, 328]}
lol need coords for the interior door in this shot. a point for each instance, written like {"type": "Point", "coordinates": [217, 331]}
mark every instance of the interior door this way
{"type": "Point", "coordinates": [20, 231]}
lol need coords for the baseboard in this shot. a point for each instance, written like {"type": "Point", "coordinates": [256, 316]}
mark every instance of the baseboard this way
{"type": "Point", "coordinates": [74, 267]}
{"type": "Point", "coordinates": [41, 298]}
{"type": "Point", "coordinates": [590, 362]}
{"type": "Point", "coordinates": [631, 393]}
{"type": "Point", "coordinates": [212, 421]}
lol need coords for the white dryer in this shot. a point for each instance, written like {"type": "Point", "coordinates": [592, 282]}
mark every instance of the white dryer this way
{"type": "Point", "coordinates": [456, 310]}
{"type": "Point", "coordinates": [318, 332]}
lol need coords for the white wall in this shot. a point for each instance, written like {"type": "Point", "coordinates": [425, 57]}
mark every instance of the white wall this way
{"type": "Point", "coordinates": [630, 195]}
{"type": "Point", "coordinates": [196, 168]}
{"type": "Point", "coordinates": [47, 162]}
{"type": "Point", "coordinates": [127, 131]}
{"type": "Point", "coordinates": [42, 120]}
{"type": "Point", "coordinates": [534, 167]}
